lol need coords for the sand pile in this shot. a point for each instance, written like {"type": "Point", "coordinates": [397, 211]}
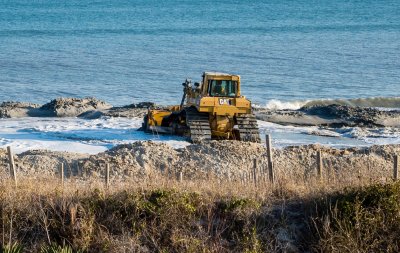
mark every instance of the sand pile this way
{"type": "Point", "coordinates": [137, 159]}
{"type": "Point", "coordinates": [60, 107]}
{"type": "Point", "coordinates": [16, 109]}
{"type": "Point", "coordinates": [72, 107]}
{"type": "Point", "coordinates": [89, 108]}
{"type": "Point", "coordinates": [300, 163]}
{"type": "Point", "coordinates": [41, 162]}
{"type": "Point", "coordinates": [224, 159]}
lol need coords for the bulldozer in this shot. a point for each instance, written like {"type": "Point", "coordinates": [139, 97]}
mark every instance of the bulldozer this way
{"type": "Point", "coordinates": [211, 109]}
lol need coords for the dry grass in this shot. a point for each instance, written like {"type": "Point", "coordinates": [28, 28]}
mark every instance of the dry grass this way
{"type": "Point", "coordinates": [131, 217]}
{"type": "Point", "coordinates": [159, 214]}
{"type": "Point", "coordinates": [365, 219]}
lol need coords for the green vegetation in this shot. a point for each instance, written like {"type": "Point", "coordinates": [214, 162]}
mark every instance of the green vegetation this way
{"type": "Point", "coordinates": [159, 220]}
{"type": "Point", "coordinates": [360, 220]}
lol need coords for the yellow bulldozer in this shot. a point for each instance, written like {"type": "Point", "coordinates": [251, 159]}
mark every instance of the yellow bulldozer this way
{"type": "Point", "coordinates": [211, 109]}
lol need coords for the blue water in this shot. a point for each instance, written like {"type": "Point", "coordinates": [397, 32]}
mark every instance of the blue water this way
{"type": "Point", "coordinates": [131, 51]}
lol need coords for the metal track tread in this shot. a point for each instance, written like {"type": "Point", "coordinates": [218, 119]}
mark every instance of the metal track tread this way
{"type": "Point", "coordinates": [248, 128]}
{"type": "Point", "coordinates": [198, 124]}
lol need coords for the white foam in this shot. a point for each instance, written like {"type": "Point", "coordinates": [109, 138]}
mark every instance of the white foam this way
{"type": "Point", "coordinates": [75, 134]}
{"type": "Point", "coordinates": [340, 138]}
{"type": "Point", "coordinates": [378, 136]}
{"type": "Point", "coordinates": [381, 103]}
{"type": "Point", "coordinates": [94, 136]}
{"type": "Point", "coordinates": [275, 104]}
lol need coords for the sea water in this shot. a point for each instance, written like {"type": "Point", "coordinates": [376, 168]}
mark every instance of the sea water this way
{"type": "Point", "coordinates": [127, 51]}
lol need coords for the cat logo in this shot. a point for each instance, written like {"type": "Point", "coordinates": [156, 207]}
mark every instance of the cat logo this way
{"type": "Point", "coordinates": [224, 101]}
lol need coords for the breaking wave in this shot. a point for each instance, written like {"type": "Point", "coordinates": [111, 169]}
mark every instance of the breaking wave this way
{"type": "Point", "coordinates": [275, 104]}
{"type": "Point", "coordinates": [376, 102]}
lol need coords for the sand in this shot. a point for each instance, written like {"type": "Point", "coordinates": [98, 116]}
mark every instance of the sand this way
{"type": "Point", "coordinates": [224, 159]}
{"type": "Point", "coordinates": [227, 160]}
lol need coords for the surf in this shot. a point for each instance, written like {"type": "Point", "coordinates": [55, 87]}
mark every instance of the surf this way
{"type": "Point", "coordinates": [373, 102]}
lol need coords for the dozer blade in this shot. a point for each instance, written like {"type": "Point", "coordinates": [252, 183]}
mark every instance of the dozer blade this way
{"type": "Point", "coordinates": [152, 122]}
{"type": "Point", "coordinates": [160, 129]}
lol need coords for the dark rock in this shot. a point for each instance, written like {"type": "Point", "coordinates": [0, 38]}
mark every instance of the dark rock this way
{"type": "Point", "coordinates": [145, 105]}
{"type": "Point", "coordinates": [351, 116]}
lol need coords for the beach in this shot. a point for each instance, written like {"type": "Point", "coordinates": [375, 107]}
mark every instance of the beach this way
{"type": "Point", "coordinates": [88, 133]}
{"type": "Point", "coordinates": [89, 125]}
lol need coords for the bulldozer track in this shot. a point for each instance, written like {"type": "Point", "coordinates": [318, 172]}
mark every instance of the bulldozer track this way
{"type": "Point", "coordinates": [198, 125]}
{"type": "Point", "coordinates": [248, 128]}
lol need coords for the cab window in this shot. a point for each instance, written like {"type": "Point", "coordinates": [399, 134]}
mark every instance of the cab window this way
{"type": "Point", "coordinates": [222, 88]}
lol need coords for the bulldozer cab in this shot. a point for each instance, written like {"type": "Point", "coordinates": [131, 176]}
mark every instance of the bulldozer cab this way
{"type": "Point", "coordinates": [218, 94]}
{"type": "Point", "coordinates": [220, 85]}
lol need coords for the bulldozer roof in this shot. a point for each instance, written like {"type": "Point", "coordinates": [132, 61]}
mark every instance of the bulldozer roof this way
{"type": "Point", "coordinates": [218, 74]}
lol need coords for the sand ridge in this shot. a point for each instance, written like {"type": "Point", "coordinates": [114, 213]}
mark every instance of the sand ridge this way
{"type": "Point", "coordinates": [222, 159]}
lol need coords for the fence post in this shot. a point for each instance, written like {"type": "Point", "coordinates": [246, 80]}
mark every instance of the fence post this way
{"type": "Point", "coordinates": [107, 175]}
{"type": "Point", "coordinates": [180, 176]}
{"type": "Point", "coordinates": [12, 165]}
{"type": "Point", "coordinates": [80, 169]}
{"type": "Point", "coordinates": [255, 171]}
{"type": "Point", "coordinates": [62, 174]}
{"type": "Point", "coordinates": [268, 141]}
{"type": "Point", "coordinates": [169, 173]}
{"type": "Point", "coordinates": [396, 168]}
{"type": "Point", "coordinates": [319, 164]}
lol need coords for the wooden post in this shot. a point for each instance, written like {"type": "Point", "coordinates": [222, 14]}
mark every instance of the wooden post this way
{"type": "Point", "coordinates": [255, 171]}
{"type": "Point", "coordinates": [12, 165]}
{"type": "Point", "coordinates": [107, 175]}
{"type": "Point", "coordinates": [169, 171]}
{"type": "Point", "coordinates": [62, 174]}
{"type": "Point", "coordinates": [181, 176]}
{"type": "Point", "coordinates": [268, 141]}
{"type": "Point", "coordinates": [319, 164]}
{"type": "Point", "coordinates": [396, 168]}
{"type": "Point", "coordinates": [80, 169]}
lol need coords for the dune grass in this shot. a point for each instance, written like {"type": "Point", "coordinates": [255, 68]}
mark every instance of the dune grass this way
{"type": "Point", "coordinates": [162, 215]}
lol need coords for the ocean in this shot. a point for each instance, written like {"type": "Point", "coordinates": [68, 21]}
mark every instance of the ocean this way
{"type": "Point", "coordinates": [142, 50]}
